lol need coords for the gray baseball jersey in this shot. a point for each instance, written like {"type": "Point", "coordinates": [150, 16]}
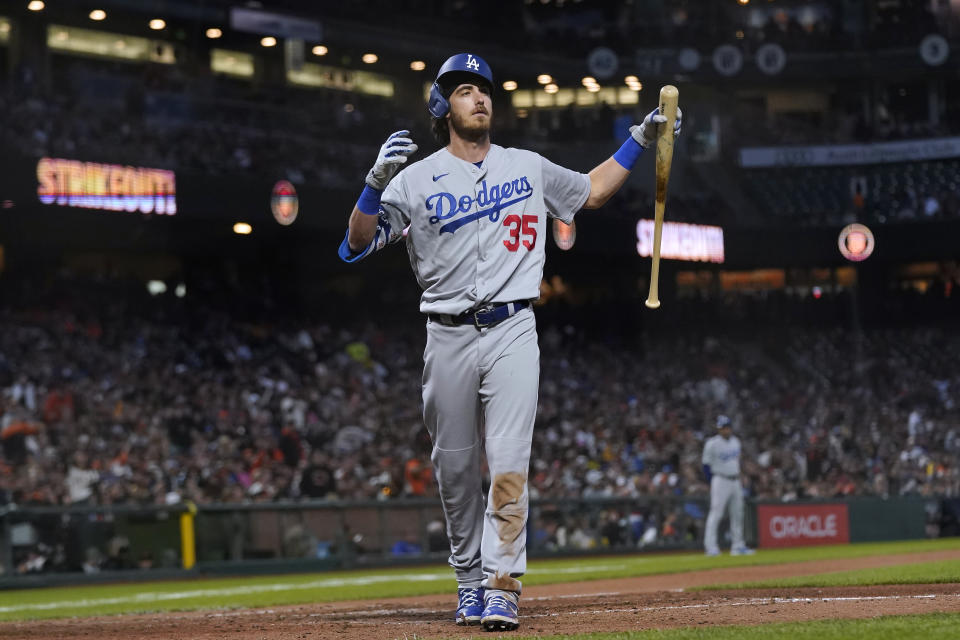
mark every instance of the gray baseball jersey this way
{"type": "Point", "coordinates": [722, 455]}
{"type": "Point", "coordinates": [476, 234]}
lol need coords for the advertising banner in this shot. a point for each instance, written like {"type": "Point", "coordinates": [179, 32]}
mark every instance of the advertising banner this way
{"type": "Point", "coordinates": [800, 525]}
{"type": "Point", "coordinates": [682, 241]}
{"type": "Point", "coordinates": [107, 187]}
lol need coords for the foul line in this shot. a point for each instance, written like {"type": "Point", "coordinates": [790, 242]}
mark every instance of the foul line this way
{"type": "Point", "coordinates": [750, 601]}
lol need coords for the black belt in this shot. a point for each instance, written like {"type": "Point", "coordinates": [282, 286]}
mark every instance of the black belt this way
{"type": "Point", "coordinates": [728, 477]}
{"type": "Point", "coordinates": [482, 317]}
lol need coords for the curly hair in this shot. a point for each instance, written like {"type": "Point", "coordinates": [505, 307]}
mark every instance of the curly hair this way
{"type": "Point", "coordinates": [441, 130]}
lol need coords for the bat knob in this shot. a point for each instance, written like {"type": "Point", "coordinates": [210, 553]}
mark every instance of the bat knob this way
{"type": "Point", "coordinates": [653, 304]}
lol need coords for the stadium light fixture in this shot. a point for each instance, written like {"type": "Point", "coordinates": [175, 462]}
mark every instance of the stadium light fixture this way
{"type": "Point", "coordinates": [744, 1]}
{"type": "Point", "coordinates": [268, 41]}
{"type": "Point", "coordinates": [510, 85]}
{"type": "Point", "coordinates": [97, 15]}
{"type": "Point", "coordinates": [369, 58]}
{"type": "Point", "coordinates": [320, 50]}
{"type": "Point", "coordinates": [551, 88]}
{"type": "Point", "coordinates": [35, 5]}
{"type": "Point", "coordinates": [544, 78]}
{"type": "Point", "coordinates": [593, 88]}
{"type": "Point", "coordinates": [418, 65]}
{"type": "Point", "coordinates": [588, 80]}
{"type": "Point", "coordinates": [242, 228]}
{"type": "Point", "coordinates": [631, 79]}
{"type": "Point", "coordinates": [157, 24]}
{"type": "Point", "coordinates": [156, 287]}
{"type": "Point", "coordinates": [213, 33]}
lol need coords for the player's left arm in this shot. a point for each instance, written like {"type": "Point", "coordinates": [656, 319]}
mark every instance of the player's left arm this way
{"type": "Point", "coordinates": [608, 176]}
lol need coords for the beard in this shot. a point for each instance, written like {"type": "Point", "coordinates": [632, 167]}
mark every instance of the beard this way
{"type": "Point", "coordinates": [470, 130]}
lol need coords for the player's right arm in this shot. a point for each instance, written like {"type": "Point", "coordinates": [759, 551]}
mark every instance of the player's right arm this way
{"type": "Point", "coordinates": [708, 460]}
{"type": "Point", "coordinates": [374, 222]}
{"type": "Point", "coordinates": [361, 229]}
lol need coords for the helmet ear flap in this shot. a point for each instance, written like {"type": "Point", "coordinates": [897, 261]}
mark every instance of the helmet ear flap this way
{"type": "Point", "coordinates": [437, 105]}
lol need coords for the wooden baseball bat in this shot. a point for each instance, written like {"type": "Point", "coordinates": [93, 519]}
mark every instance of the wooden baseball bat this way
{"type": "Point", "coordinates": [668, 107]}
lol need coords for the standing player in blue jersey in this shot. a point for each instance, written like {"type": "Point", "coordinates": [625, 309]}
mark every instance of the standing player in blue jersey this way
{"type": "Point", "coordinates": [476, 219]}
{"type": "Point", "coordinates": [721, 466]}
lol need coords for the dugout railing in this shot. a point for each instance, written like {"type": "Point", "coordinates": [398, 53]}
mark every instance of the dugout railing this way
{"type": "Point", "coordinates": [50, 545]}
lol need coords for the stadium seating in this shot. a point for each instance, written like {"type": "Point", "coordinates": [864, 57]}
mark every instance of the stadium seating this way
{"type": "Point", "coordinates": [812, 196]}
{"type": "Point", "coordinates": [184, 400]}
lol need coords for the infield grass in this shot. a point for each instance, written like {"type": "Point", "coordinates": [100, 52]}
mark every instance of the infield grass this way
{"type": "Point", "coordinates": [914, 627]}
{"type": "Point", "coordinates": [266, 591]}
{"type": "Point", "coordinates": [920, 573]}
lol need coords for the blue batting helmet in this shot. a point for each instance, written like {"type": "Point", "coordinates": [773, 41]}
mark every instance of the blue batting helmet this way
{"type": "Point", "coordinates": [454, 68]}
{"type": "Point", "coordinates": [723, 421]}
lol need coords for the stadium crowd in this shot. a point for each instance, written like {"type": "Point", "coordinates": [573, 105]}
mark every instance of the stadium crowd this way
{"type": "Point", "coordinates": [250, 142]}
{"type": "Point", "coordinates": [113, 397]}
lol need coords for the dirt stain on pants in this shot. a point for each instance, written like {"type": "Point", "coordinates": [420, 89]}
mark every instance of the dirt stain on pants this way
{"type": "Point", "coordinates": [511, 518]}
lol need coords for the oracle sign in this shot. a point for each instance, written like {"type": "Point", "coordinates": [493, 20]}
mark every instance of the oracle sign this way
{"type": "Point", "coordinates": [802, 524]}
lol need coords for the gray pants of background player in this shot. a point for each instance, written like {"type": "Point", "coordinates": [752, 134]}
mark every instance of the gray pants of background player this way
{"type": "Point", "coordinates": [724, 492]}
{"type": "Point", "coordinates": [483, 382]}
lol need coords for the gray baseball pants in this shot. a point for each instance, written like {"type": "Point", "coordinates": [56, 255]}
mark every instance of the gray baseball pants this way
{"type": "Point", "coordinates": [724, 492]}
{"type": "Point", "coordinates": [480, 390]}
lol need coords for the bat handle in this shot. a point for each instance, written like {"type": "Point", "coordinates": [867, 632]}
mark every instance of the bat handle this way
{"type": "Point", "coordinates": [653, 296]}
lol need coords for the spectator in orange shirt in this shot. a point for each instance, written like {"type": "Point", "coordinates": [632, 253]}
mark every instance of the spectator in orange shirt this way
{"type": "Point", "coordinates": [417, 476]}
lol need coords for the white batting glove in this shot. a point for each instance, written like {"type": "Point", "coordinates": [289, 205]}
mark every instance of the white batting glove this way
{"type": "Point", "coordinates": [393, 153]}
{"type": "Point", "coordinates": [646, 132]}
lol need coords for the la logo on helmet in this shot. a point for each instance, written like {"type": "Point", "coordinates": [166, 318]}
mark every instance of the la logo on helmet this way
{"type": "Point", "coordinates": [472, 62]}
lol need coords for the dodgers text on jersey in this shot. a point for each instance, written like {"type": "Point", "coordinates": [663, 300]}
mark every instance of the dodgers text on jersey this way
{"type": "Point", "coordinates": [446, 205]}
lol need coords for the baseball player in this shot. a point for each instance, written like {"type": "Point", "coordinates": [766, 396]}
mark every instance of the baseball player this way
{"type": "Point", "coordinates": [476, 219]}
{"type": "Point", "coordinates": [721, 466]}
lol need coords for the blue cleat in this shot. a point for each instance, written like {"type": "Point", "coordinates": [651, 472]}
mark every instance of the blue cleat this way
{"type": "Point", "coordinates": [742, 551]}
{"type": "Point", "coordinates": [500, 612]}
{"type": "Point", "coordinates": [469, 606]}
